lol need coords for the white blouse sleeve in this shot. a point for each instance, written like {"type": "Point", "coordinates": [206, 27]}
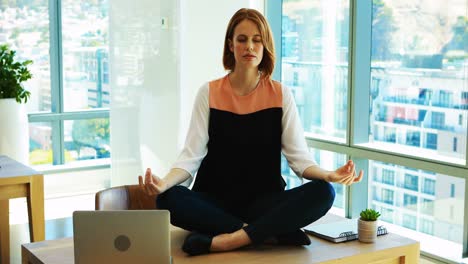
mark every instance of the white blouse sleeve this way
{"type": "Point", "coordinates": [293, 144]}
{"type": "Point", "coordinates": [195, 147]}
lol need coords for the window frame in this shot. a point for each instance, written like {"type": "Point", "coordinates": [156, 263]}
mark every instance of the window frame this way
{"type": "Point", "coordinates": [359, 84]}
{"type": "Point", "coordinates": [57, 116]}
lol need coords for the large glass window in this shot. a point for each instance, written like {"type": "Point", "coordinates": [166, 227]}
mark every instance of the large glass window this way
{"type": "Point", "coordinates": [40, 143]}
{"type": "Point", "coordinates": [68, 87]}
{"type": "Point", "coordinates": [418, 72]}
{"type": "Point", "coordinates": [407, 104]}
{"type": "Point", "coordinates": [327, 160]}
{"type": "Point", "coordinates": [315, 64]}
{"type": "Point", "coordinates": [331, 161]}
{"type": "Point", "coordinates": [24, 26]}
{"type": "Point", "coordinates": [85, 41]}
{"type": "Point", "coordinates": [87, 139]}
{"type": "Point", "coordinates": [428, 211]}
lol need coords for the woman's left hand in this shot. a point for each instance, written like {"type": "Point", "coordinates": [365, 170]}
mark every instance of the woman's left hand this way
{"type": "Point", "coordinates": [346, 174]}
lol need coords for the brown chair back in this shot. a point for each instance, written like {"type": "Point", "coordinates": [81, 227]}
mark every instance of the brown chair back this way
{"type": "Point", "coordinates": [126, 197]}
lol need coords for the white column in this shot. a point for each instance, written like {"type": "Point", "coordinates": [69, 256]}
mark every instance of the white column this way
{"type": "Point", "coordinates": [156, 70]}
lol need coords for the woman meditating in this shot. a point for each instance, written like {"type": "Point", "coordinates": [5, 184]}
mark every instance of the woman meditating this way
{"type": "Point", "coordinates": [241, 123]}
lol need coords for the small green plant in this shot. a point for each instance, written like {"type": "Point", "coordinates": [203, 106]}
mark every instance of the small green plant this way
{"type": "Point", "coordinates": [12, 74]}
{"type": "Point", "coordinates": [369, 215]}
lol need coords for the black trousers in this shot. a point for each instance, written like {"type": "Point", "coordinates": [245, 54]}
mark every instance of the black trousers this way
{"type": "Point", "coordinates": [267, 216]}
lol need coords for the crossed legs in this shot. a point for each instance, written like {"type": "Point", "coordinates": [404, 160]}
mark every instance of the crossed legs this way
{"type": "Point", "coordinates": [278, 215]}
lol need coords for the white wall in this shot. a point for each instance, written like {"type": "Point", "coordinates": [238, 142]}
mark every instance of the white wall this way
{"type": "Point", "coordinates": [155, 73]}
{"type": "Point", "coordinates": [203, 27]}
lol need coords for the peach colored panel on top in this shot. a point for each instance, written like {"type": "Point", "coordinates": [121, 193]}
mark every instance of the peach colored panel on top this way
{"type": "Point", "coordinates": [267, 95]}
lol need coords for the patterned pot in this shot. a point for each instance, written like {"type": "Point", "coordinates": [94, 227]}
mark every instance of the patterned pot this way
{"type": "Point", "coordinates": [367, 231]}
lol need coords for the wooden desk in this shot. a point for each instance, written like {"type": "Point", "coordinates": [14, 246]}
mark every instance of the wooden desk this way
{"type": "Point", "coordinates": [18, 180]}
{"type": "Point", "coordinates": [389, 249]}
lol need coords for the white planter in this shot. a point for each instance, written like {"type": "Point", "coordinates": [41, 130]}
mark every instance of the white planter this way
{"type": "Point", "coordinates": [367, 231]}
{"type": "Point", "coordinates": [14, 130]}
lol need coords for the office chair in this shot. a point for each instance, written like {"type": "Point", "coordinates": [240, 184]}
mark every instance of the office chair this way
{"type": "Point", "coordinates": [126, 197]}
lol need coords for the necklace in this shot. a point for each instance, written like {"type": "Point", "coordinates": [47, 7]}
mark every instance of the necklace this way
{"type": "Point", "coordinates": [240, 90]}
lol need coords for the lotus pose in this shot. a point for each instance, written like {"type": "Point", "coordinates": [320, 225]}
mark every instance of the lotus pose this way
{"type": "Point", "coordinates": [241, 123]}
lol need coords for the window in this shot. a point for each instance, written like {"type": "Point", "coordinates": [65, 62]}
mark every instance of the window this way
{"type": "Point", "coordinates": [429, 186]}
{"type": "Point", "coordinates": [69, 90]}
{"type": "Point", "coordinates": [387, 215]}
{"type": "Point", "coordinates": [413, 138]}
{"type": "Point", "coordinates": [388, 176]}
{"type": "Point", "coordinates": [315, 64]}
{"type": "Point", "coordinates": [411, 182]}
{"type": "Point", "coordinates": [40, 143]}
{"type": "Point", "coordinates": [25, 27]}
{"type": "Point", "coordinates": [387, 196]}
{"type": "Point", "coordinates": [427, 226]}
{"type": "Point", "coordinates": [431, 141]}
{"type": "Point", "coordinates": [452, 190]}
{"type": "Point", "coordinates": [410, 202]}
{"type": "Point", "coordinates": [330, 161]}
{"type": "Point", "coordinates": [405, 103]}
{"type": "Point", "coordinates": [427, 207]}
{"type": "Point", "coordinates": [464, 100]}
{"type": "Point", "coordinates": [327, 160]}
{"type": "Point", "coordinates": [438, 120]}
{"type": "Point", "coordinates": [409, 221]}
{"type": "Point", "coordinates": [409, 97]}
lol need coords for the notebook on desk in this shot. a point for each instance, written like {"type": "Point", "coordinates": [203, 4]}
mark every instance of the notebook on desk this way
{"type": "Point", "coordinates": [339, 231]}
{"type": "Point", "coordinates": [127, 236]}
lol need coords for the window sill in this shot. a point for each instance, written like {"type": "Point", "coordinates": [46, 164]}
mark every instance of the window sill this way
{"type": "Point", "coordinates": [74, 166]}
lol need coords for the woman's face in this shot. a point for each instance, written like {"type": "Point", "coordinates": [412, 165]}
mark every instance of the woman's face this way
{"type": "Point", "coordinates": [246, 44]}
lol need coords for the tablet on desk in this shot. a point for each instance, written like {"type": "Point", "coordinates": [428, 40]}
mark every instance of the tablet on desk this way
{"type": "Point", "coordinates": [126, 236]}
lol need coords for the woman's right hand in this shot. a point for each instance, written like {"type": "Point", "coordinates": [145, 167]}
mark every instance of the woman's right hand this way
{"type": "Point", "coordinates": [153, 185]}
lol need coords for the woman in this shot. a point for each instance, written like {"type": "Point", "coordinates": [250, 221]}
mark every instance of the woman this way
{"type": "Point", "coordinates": [240, 125]}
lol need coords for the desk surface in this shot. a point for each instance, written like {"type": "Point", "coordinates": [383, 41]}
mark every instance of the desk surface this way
{"type": "Point", "coordinates": [10, 168]}
{"type": "Point", "coordinates": [391, 247]}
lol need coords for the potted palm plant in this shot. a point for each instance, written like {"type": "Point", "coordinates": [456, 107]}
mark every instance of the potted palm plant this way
{"type": "Point", "coordinates": [13, 118]}
{"type": "Point", "coordinates": [367, 225]}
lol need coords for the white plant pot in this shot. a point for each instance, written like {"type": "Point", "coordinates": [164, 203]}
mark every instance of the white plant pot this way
{"type": "Point", "coordinates": [14, 130]}
{"type": "Point", "coordinates": [367, 231]}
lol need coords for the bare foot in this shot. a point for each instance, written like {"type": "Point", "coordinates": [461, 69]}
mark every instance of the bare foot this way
{"type": "Point", "coordinates": [227, 242]}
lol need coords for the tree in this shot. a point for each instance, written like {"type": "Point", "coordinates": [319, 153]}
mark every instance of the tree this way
{"type": "Point", "coordinates": [92, 133]}
{"type": "Point", "coordinates": [382, 28]}
{"type": "Point", "coordinates": [460, 36]}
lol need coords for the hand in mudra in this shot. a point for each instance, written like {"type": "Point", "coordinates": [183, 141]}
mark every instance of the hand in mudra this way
{"type": "Point", "coordinates": [346, 174]}
{"type": "Point", "coordinates": [153, 185]}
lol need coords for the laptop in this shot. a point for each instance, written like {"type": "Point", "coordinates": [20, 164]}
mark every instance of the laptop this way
{"type": "Point", "coordinates": [124, 236]}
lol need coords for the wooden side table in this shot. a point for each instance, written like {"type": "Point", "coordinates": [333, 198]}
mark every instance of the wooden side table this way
{"type": "Point", "coordinates": [18, 180]}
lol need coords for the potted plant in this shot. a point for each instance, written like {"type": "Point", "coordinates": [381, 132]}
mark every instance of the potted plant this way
{"type": "Point", "coordinates": [14, 136]}
{"type": "Point", "coordinates": [367, 225]}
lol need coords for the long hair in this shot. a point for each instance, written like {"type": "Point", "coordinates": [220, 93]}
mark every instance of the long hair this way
{"type": "Point", "coordinates": [267, 64]}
